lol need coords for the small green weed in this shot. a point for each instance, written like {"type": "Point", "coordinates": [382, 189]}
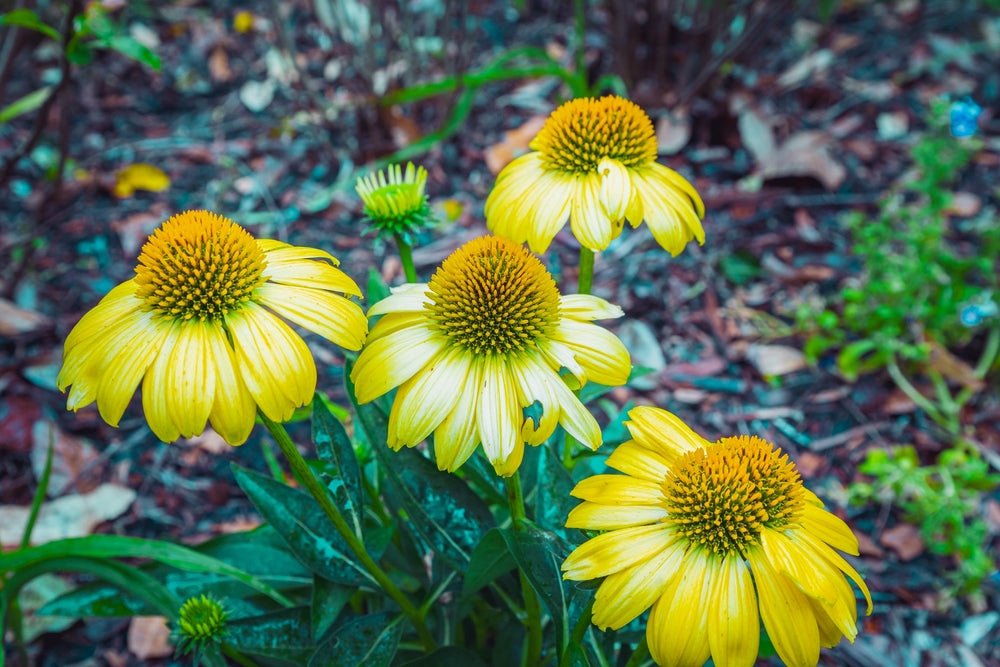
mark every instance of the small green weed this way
{"type": "Point", "coordinates": [943, 498]}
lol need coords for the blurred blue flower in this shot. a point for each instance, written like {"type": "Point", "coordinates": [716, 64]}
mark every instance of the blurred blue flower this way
{"type": "Point", "coordinates": [964, 115]}
{"type": "Point", "coordinates": [975, 311]}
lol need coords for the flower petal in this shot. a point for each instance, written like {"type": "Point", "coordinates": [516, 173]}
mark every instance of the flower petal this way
{"type": "Point", "coordinates": [587, 219]}
{"type": "Point", "coordinates": [641, 462]}
{"type": "Point", "coordinates": [498, 418]}
{"type": "Point", "coordinates": [273, 360]}
{"type": "Point", "coordinates": [819, 547]}
{"type": "Point", "coordinates": [624, 595]}
{"type": "Point", "coordinates": [616, 189]}
{"type": "Point", "coordinates": [598, 516]}
{"type": "Point", "coordinates": [602, 355]}
{"type": "Point", "coordinates": [618, 490]}
{"type": "Point", "coordinates": [130, 356]}
{"type": "Point", "coordinates": [456, 438]}
{"type": "Point", "coordinates": [423, 401]}
{"type": "Point", "coordinates": [615, 551]}
{"type": "Point", "coordinates": [310, 274]}
{"type": "Point", "coordinates": [663, 432]}
{"type": "Point", "coordinates": [677, 631]}
{"type": "Point", "coordinates": [534, 381]}
{"type": "Point", "coordinates": [117, 305]}
{"type": "Point", "coordinates": [155, 396]}
{"type": "Point", "coordinates": [234, 410]}
{"type": "Point", "coordinates": [733, 623]}
{"type": "Point", "coordinates": [388, 361]}
{"type": "Point", "coordinates": [190, 382]}
{"type": "Point", "coordinates": [829, 528]}
{"type": "Point", "coordinates": [786, 612]}
{"type": "Point", "coordinates": [408, 298]}
{"type": "Point", "coordinates": [587, 307]}
{"type": "Point", "coordinates": [330, 315]}
{"type": "Point", "coordinates": [669, 213]}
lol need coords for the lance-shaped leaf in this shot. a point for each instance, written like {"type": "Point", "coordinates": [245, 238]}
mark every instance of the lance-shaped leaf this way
{"type": "Point", "coordinates": [334, 448]}
{"type": "Point", "coordinates": [366, 641]}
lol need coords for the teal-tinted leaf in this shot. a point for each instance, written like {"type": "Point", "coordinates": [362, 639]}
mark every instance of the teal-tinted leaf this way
{"type": "Point", "coordinates": [282, 634]}
{"type": "Point", "coordinates": [79, 52]}
{"type": "Point", "coordinates": [552, 501]}
{"type": "Point", "coordinates": [26, 104]}
{"type": "Point", "coordinates": [328, 599]}
{"type": "Point", "coordinates": [448, 656]}
{"type": "Point", "coordinates": [539, 555]}
{"type": "Point", "coordinates": [25, 18]}
{"type": "Point", "coordinates": [368, 641]}
{"type": "Point", "coordinates": [299, 520]}
{"type": "Point", "coordinates": [334, 448]}
{"type": "Point", "coordinates": [489, 560]}
{"type": "Point", "coordinates": [97, 599]}
{"type": "Point", "coordinates": [127, 46]}
{"type": "Point", "coordinates": [441, 507]}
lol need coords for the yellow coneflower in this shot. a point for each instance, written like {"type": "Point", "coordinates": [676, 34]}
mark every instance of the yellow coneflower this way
{"type": "Point", "coordinates": [480, 343]}
{"type": "Point", "coordinates": [195, 327]}
{"type": "Point", "coordinates": [708, 534]}
{"type": "Point", "coordinates": [594, 161]}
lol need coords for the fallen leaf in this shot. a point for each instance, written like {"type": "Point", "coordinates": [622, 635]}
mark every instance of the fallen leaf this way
{"type": "Point", "coordinates": [218, 65]}
{"type": "Point", "coordinates": [809, 464]}
{"type": "Point", "coordinates": [140, 176]}
{"type": "Point", "coordinates": [775, 360]}
{"type": "Point", "coordinates": [947, 364]}
{"type": "Point", "coordinates": [33, 596]}
{"type": "Point", "coordinates": [70, 516]}
{"type": "Point", "coordinates": [964, 204]}
{"type": "Point", "coordinates": [903, 539]}
{"type": "Point", "coordinates": [70, 455]}
{"type": "Point", "coordinates": [15, 320]}
{"type": "Point", "coordinates": [689, 395]}
{"type": "Point", "coordinates": [135, 229]}
{"type": "Point", "coordinates": [515, 142]}
{"type": "Point", "coordinates": [18, 415]}
{"type": "Point", "coordinates": [756, 135]}
{"type": "Point", "coordinates": [673, 131]}
{"type": "Point", "coordinates": [806, 68]}
{"type": "Point", "coordinates": [892, 125]}
{"type": "Point", "coordinates": [867, 546]}
{"type": "Point", "coordinates": [806, 153]}
{"type": "Point", "coordinates": [257, 95]}
{"type": "Point", "coordinates": [149, 637]}
{"type": "Point", "coordinates": [644, 346]}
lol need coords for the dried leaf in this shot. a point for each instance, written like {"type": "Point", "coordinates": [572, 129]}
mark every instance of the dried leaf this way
{"type": "Point", "coordinates": [218, 65]}
{"type": "Point", "coordinates": [673, 131]}
{"type": "Point", "coordinates": [515, 142]}
{"type": "Point", "coordinates": [69, 516]}
{"type": "Point", "coordinates": [135, 229]}
{"type": "Point", "coordinates": [149, 637]}
{"type": "Point", "coordinates": [806, 68]}
{"type": "Point", "coordinates": [15, 320]}
{"type": "Point", "coordinates": [953, 368]}
{"type": "Point", "coordinates": [70, 455]}
{"type": "Point", "coordinates": [806, 153]}
{"type": "Point", "coordinates": [964, 204]}
{"type": "Point", "coordinates": [756, 135]}
{"type": "Point", "coordinates": [140, 176]}
{"type": "Point", "coordinates": [904, 539]}
{"type": "Point", "coordinates": [775, 360]}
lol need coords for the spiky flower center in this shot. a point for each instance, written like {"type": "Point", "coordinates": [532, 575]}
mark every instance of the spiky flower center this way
{"type": "Point", "coordinates": [198, 265]}
{"type": "Point", "coordinates": [395, 201]}
{"type": "Point", "coordinates": [582, 132]}
{"type": "Point", "coordinates": [493, 297]}
{"type": "Point", "coordinates": [202, 620]}
{"type": "Point", "coordinates": [723, 496]}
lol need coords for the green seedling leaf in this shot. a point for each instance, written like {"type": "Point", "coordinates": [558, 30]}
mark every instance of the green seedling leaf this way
{"type": "Point", "coordinates": [490, 559]}
{"type": "Point", "coordinates": [334, 447]}
{"type": "Point", "coordinates": [441, 507]}
{"type": "Point", "coordinates": [368, 641]}
{"type": "Point", "coordinates": [26, 104]}
{"type": "Point", "coordinates": [284, 635]}
{"type": "Point", "coordinates": [850, 359]}
{"type": "Point", "coordinates": [301, 522]}
{"type": "Point", "coordinates": [127, 46]}
{"type": "Point", "coordinates": [25, 18]}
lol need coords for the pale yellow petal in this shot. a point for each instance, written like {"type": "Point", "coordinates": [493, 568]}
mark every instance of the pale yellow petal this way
{"type": "Point", "coordinates": [190, 383]}
{"type": "Point", "coordinates": [551, 211]}
{"type": "Point", "coordinates": [234, 410]}
{"type": "Point", "coordinates": [273, 360]}
{"type": "Point", "coordinates": [155, 395]}
{"type": "Point", "coordinates": [590, 224]}
{"type": "Point", "coordinates": [282, 253]}
{"type": "Point", "coordinates": [573, 415]}
{"type": "Point", "coordinates": [669, 213]}
{"type": "Point", "coordinates": [117, 305]}
{"type": "Point", "coordinates": [498, 418]}
{"type": "Point", "coordinates": [603, 357]}
{"type": "Point", "coordinates": [408, 298]}
{"type": "Point", "coordinates": [457, 437]}
{"type": "Point", "coordinates": [733, 623]}
{"type": "Point", "coordinates": [677, 632]}
{"type": "Point", "coordinates": [597, 516]}
{"type": "Point", "coordinates": [820, 548]}
{"type": "Point", "coordinates": [678, 184]}
{"type": "Point", "coordinates": [615, 551]}
{"type": "Point", "coordinates": [616, 188]}
{"type": "Point", "coordinates": [393, 322]}
{"type": "Point", "coordinates": [829, 528]}
{"type": "Point", "coordinates": [389, 361]}
{"type": "Point", "coordinates": [558, 355]}
{"type": "Point", "coordinates": [640, 462]}
{"type": "Point", "coordinates": [786, 612]}
{"type": "Point", "coordinates": [311, 274]}
{"type": "Point", "coordinates": [810, 572]}
{"type": "Point", "coordinates": [663, 432]}
{"type": "Point", "coordinates": [619, 490]}
{"type": "Point", "coordinates": [624, 595]}
{"type": "Point", "coordinates": [509, 206]}
{"type": "Point", "coordinates": [423, 401]}
{"type": "Point", "coordinates": [330, 315]}
{"type": "Point", "coordinates": [130, 356]}
{"type": "Point", "coordinates": [587, 307]}
{"type": "Point", "coordinates": [534, 379]}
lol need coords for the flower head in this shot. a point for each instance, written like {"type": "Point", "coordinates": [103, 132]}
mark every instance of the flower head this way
{"type": "Point", "coordinates": [479, 344]}
{"type": "Point", "coordinates": [202, 623]}
{"type": "Point", "coordinates": [708, 534]}
{"type": "Point", "coordinates": [395, 202]}
{"type": "Point", "coordinates": [199, 327]}
{"type": "Point", "coordinates": [594, 161]}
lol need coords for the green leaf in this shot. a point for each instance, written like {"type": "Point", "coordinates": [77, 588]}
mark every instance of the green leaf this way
{"type": "Point", "coordinates": [552, 500]}
{"type": "Point", "coordinates": [441, 507]}
{"type": "Point", "coordinates": [303, 525]}
{"type": "Point", "coordinates": [282, 634]}
{"type": "Point", "coordinates": [539, 555]}
{"type": "Point", "coordinates": [334, 448]}
{"type": "Point", "coordinates": [448, 656]}
{"type": "Point", "coordinates": [490, 559]}
{"type": "Point", "coordinates": [115, 546]}
{"type": "Point", "coordinates": [328, 599]}
{"type": "Point", "coordinates": [367, 641]}
{"type": "Point", "coordinates": [25, 18]}
{"type": "Point", "coordinates": [26, 104]}
{"type": "Point", "coordinates": [129, 47]}
{"type": "Point", "coordinates": [850, 359]}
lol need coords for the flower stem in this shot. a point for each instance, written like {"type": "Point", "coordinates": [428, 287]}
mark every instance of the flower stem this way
{"type": "Point", "coordinates": [532, 607]}
{"type": "Point", "coordinates": [640, 654]}
{"type": "Point", "coordinates": [586, 280]}
{"type": "Point", "coordinates": [305, 475]}
{"type": "Point", "coordinates": [406, 256]}
{"type": "Point", "coordinates": [579, 630]}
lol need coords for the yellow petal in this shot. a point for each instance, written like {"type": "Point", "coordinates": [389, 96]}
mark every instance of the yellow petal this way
{"type": "Point", "coordinates": [573, 415]}
{"type": "Point", "coordinates": [615, 551]}
{"type": "Point", "coordinates": [733, 623]}
{"type": "Point", "coordinates": [603, 357]}
{"type": "Point", "coordinates": [155, 395]}
{"type": "Point", "coordinates": [498, 418]}
{"type": "Point", "coordinates": [663, 432]}
{"type": "Point", "coordinates": [677, 631]}
{"type": "Point", "coordinates": [597, 516]}
{"type": "Point", "coordinates": [423, 401]}
{"type": "Point", "coordinates": [279, 254]}
{"type": "Point", "coordinates": [309, 273]}
{"type": "Point", "coordinates": [668, 212]}
{"type": "Point", "coordinates": [457, 437]}
{"type": "Point", "coordinates": [640, 462]}
{"type": "Point", "coordinates": [587, 307]}
{"type": "Point", "coordinates": [817, 546]}
{"type": "Point", "coordinates": [330, 315]}
{"type": "Point", "coordinates": [234, 410]}
{"type": "Point", "coordinates": [829, 528]}
{"type": "Point", "coordinates": [140, 176]}
{"type": "Point", "coordinates": [273, 360]}
{"type": "Point", "coordinates": [786, 612]}
{"type": "Point", "coordinates": [117, 305]}
{"type": "Point", "coordinates": [616, 188]}
{"type": "Point", "coordinates": [533, 379]}
{"type": "Point", "coordinates": [408, 298]}
{"type": "Point", "coordinates": [131, 358]}
{"type": "Point", "coordinates": [619, 490]}
{"type": "Point", "coordinates": [551, 211]}
{"type": "Point", "coordinates": [190, 383]}
{"type": "Point", "coordinates": [624, 595]}
{"type": "Point", "coordinates": [389, 361]}
{"type": "Point", "coordinates": [587, 219]}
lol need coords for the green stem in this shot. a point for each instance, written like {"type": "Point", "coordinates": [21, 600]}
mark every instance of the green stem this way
{"type": "Point", "coordinates": [586, 280]}
{"type": "Point", "coordinates": [406, 256]}
{"type": "Point", "coordinates": [302, 471]}
{"type": "Point", "coordinates": [640, 654]}
{"type": "Point", "coordinates": [579, 86]}
{"type": "Point", "coordinates": [912, 393]}
{"type": "Point", "coordinates": [579, 630]}
{"type": "Point", "coordinates": [532, 607]}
